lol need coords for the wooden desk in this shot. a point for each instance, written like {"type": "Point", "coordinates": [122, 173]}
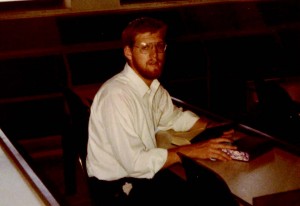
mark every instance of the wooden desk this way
{"type": "Point", "coordinates": [19, 184]}
{"type": "Point", "coordinates": [273, 172]}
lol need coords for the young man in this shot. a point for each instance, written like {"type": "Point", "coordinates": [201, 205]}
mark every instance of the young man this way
{"type": "Point", "coordinates": [123, 161]}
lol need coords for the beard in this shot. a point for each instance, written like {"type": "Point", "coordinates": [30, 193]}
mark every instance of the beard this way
{"type": "Point", "coordinates": [151, 70]}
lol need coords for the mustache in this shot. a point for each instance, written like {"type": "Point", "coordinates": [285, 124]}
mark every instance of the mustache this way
{"type": "Point", "coordinates": [154, 61]}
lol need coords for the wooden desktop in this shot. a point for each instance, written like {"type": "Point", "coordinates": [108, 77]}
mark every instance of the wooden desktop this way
{"type": "Point", "coordinates": [275, 171]}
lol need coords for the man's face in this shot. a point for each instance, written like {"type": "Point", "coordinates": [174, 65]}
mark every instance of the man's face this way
{"type": "Point", "coordinates": [147, 56]}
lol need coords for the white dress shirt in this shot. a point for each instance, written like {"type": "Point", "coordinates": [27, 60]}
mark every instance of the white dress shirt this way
{"type": "Point", "coordinates": [125, 115]}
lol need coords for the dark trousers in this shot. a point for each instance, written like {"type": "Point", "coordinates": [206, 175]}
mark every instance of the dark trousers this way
{"type": "Point", "coordinates": [164, 188]}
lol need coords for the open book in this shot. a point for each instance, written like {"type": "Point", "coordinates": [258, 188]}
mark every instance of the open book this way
{"type": "Point", "coordinates": [184, 138]}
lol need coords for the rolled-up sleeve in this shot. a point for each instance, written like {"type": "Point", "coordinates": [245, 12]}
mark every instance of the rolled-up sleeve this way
{"type": "Point", "coordinates": [174, 117]}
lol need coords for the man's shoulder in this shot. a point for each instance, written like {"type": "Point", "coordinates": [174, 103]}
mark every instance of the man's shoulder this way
{"type": "Point", "coordinates": [115, 86]}
{"type": "Point", "coordinates": [117, 82]}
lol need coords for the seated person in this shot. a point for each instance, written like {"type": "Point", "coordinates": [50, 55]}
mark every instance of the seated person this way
{"type": "Point", "coordinates": [124, 164]}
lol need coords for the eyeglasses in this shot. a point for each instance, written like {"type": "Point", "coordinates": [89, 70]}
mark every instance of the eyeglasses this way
{"type": "Point", "coordinates": [145, 48]}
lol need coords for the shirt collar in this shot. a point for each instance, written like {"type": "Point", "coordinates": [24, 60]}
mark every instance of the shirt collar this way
{"type": "Point", "coordinates": [138, 83]}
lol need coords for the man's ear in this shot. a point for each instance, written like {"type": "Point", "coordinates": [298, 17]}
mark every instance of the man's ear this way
{"type": "Point", "coordinates": [127, 52]}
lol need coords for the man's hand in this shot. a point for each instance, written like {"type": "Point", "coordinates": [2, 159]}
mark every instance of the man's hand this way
{"type": "Point", "coordinates": [209, 149]}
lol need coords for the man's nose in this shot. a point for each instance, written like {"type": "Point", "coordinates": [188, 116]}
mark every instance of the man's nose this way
{"type": "Point", "coordinates": [153, 50]}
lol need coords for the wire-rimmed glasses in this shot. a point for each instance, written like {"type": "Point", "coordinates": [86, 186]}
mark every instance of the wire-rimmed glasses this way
{"type": "Point", "coordinates": [146, 48]}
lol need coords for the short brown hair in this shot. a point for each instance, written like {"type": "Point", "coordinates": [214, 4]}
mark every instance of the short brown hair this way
{"type": "Point", "coordinates": [142, 25]}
